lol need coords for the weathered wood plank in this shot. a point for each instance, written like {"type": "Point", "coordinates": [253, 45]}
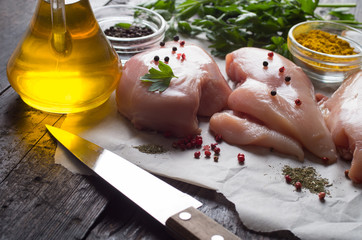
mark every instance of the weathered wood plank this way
{"type": "Point", "coordinates": [21, 129]}
{"type": "Point", "coordinates": [42, 200]}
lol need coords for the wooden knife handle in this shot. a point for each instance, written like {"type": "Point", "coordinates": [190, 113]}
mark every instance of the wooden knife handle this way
{"type": "Point", "coordinates": [191, 224]}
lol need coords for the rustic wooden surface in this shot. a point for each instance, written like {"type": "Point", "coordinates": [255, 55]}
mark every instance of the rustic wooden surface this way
{"type": "Point", "coordinates": [42, 200]}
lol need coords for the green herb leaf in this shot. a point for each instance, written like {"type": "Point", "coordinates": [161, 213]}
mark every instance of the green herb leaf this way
{"type": "Point", "coordinates": [309, 6]}
{"type": "Point", "coordinates": [160, 79]}
{"type": "Point", "coordinates": [123, 25]}
{"type": "Point", "coordinates": [232, 24]}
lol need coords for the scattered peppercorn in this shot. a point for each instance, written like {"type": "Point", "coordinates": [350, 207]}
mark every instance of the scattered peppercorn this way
{"type": "Point", "coordinates": [174, 49]}
{"type": "Point", "coordinates": [216, 158]}
{"type": "Point", "coordinates": [182, 43]}
{"type": "Point", "coordinates": [265, 63]}
{"type": "Point", "coordinates": [218, 138]}
{"type": "Point", "coordinates": [207, 153]}
{"type": "Point", "coordinates": [287, 78]}
{"type": "Point", "coordinates": [281, 69]}
{"type": "Point", "coordinates": [217, 150]}
{"type": "Point", "coordinates": [162, 44]}
{"type": "Point", "coordinates": [270, 54]}
{"type": "Point", "coordinates": [156, 58]}
{"type": "Point", "coordinates": [273, 93]}
{"type": "Point", "coordinates": [321, 196]}
{"type": "Point", "coordinates": [241, 158]}
{"type": "Point", "coordinates": [176, 38]}
{"type": "Point", "coordinates": [166, 59]}
{"type": "Point", "coordinates": [298, 186]}
{"type": "Point", "coordinates": [298, 102]}
{"type": "Point", "coordinates": [213, 145]}
{"type": "Point", "coordinates": [346, 172]}
{"type": "Point", "coordinates": [197, 154]}
{"type": "Point", "coordinates": [183, 56]}
{"type": "Point", "coordinates": [288, 179]}
{"type": "Point", "coordinates": [198, 141]}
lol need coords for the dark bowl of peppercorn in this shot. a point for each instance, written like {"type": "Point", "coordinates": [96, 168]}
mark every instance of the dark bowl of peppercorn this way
{"type": "Point", "coordinates": [130, 29]}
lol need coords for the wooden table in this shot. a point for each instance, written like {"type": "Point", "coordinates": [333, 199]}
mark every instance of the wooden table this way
{"type": "Point", "coordinates": [42, 200]}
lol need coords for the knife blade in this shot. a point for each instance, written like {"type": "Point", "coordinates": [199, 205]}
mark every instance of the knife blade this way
{"type": "Point", "coordinates": [170, 206]}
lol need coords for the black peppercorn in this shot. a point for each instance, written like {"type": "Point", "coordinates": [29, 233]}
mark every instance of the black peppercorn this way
{"type": "Point", "coordinates": [131, 32]}
{"type": "Point", "coordinates": [174, 49]}
{"type": "Point", "coordinates": [273, 92]}
{"type": "Point", "coordinates": [156, 58]}
{"type": "Point", "coordinates": [265, 63]}
{"type": "Point", "coordinates": [176, 38]}
{"type": "Point", "coordinates": [162, 44]}
{"type": "Point", "coordinates": [287, 78]}
{"type": "Point", "coordinates": [167, 59]}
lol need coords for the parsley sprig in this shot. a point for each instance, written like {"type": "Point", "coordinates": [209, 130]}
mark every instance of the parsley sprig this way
{"type": "Point", "coordinates": [160, 79]}
{"type": "Point", "coordinates": [231, 24]}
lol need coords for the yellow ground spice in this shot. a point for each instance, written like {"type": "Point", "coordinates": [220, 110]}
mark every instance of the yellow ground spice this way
{"type": "Point", "coordinates": [324, 42]}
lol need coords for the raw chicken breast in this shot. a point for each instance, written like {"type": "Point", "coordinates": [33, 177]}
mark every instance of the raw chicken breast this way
{"type": "Point", "coordinates": [200, 89]}
{"type": "Point", "coordinates": [343, 116]}
{"type": "Point", "coordinates": [242, 130]}
{"type": "Point", "coordinates": [281, 96]}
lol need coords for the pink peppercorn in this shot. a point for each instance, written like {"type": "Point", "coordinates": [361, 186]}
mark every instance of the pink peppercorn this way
{"type": "Point", "coordinates": [218, 138]}
{"type": "Point", "coordinates": [321, 196]}
{"type": "Point", "coordinates": [241, 158]}
{"type": "Point", "coordinates": [288, 179]}
{"type": "Point", "coordinates": [207, 153]}
{"type": "Point", "coordinates": [197, 154]}
{"type": "Point", "coordinates": [217, 150]}
{"type": "Point", "coordinates": [213, 145]}
{"type": "Point", "coordinates": [183, 56]}
{"type": "Point", "coordinates": [346, 173]}
{"type": "Point", "coordinates": [298, 186]}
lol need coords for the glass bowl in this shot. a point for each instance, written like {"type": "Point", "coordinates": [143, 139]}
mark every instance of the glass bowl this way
{"type": "Point", "coordinates": [322, 67]}
{"type": "Point", "coordinates": [109, 16]}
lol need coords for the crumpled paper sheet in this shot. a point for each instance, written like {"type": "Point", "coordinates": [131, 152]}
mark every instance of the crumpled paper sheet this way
{"type": "Point", "coordinates": [264, 201]}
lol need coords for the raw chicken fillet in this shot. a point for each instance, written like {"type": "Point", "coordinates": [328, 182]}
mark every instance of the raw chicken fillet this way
{"type": "Point", "coordinates": [343, 116]}
{"type": "Point", "coordinates": [199, 90]}
{"type": "Point", "coordinates": [280, 96]}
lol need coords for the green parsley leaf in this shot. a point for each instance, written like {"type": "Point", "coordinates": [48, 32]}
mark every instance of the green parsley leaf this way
{"type": "Point", "coordinates": [160, 79]}
{"type": "Point", "coordinates": [123, 25]}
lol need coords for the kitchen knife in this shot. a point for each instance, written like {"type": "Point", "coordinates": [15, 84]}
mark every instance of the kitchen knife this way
{"type": "Point", "coordinates": [171, 207]}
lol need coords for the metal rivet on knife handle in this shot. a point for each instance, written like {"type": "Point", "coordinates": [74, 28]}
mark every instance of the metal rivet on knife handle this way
{"type": "Point", "coordinates": [217, 237]}
{"type": "Point", "coordinates": [185, 216]}
{"type": "Point", "coordinates": [198, 227]}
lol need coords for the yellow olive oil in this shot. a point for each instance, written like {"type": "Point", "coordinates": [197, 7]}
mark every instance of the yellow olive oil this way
{"type": "Point", "coordinates": [64, 66]}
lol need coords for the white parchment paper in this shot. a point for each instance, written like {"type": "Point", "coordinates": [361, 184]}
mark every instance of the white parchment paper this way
{"type": "Point", "coordinates": [262, 198]}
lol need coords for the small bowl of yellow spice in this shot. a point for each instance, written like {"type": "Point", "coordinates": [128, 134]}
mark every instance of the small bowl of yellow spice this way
{"type": "Point", "coordinates": [328, 52]}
